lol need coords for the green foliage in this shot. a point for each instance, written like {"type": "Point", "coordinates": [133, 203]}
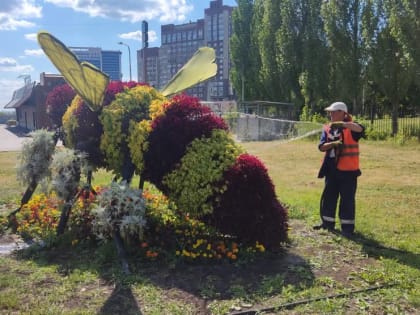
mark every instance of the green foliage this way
{"type": "Point", "coordinates": [244, 52]}
{"type": "Point", "coordinates": [119, 119]}
{"type": "Point", "coordinates": [367, 52]}
{"type": "Point", "coordinates": [36, 156]}
{"type": "Point", "coordinates": [373, 134]}
{"type": "Point", "coordinates": [138, 144]}
{"type": "Point", "coordinates": [113, 138]}
{"type": "Point", "coordinates": [70, 122]}
{"type": "Point", "coordinates": [197, 178]}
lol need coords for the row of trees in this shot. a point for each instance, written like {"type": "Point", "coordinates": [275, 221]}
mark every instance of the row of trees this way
{"type": "Point", "coordinates": [311, 52]}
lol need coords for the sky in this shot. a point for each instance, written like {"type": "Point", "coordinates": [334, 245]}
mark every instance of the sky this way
{"type": "Point", "coordinates": [81, 23]}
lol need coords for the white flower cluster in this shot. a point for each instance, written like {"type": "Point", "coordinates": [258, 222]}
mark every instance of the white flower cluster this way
{"type": "Point", "coordinates": [36, 156]}
{"type": "Point", "coordinates": [120, 209]}
{"type": "Point", "coordinates": [66, 168]}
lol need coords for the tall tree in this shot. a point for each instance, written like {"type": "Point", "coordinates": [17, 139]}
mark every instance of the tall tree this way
{"type": "Point", "coordinates": [393, 66]}
{"type": "Point", "coordinates": [269, 24]}
{"type": "Point", "coordinates": [369, 31]}
{"type": "Point", "coordinates": [313, 79]}
{"type": "Point", "coordinates": [288, 49]}
{"type": "Point", "coordinates": [342, 20]}
{"type": "Point", "coordinates": [244, 54]}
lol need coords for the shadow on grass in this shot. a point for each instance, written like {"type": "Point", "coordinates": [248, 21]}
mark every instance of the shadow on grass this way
{"type": "Point", "coordinates": [375, 249]}
{"type": "Point", "coordinates": [121, 301]}
{"type": "Point", "coordinates": [195, 284]}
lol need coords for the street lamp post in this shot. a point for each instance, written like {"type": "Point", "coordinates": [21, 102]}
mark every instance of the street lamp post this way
{"type": "Point", "coordinates": [129, 55]}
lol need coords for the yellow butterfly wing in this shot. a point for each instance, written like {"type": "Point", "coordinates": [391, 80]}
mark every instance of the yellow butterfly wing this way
{"type": "Point", "coordinates": [199, 68]}
{"type": "Point", "coordinates": [87, 80]}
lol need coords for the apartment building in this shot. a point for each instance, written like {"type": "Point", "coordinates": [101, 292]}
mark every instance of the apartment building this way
{"type": "Point", "coordinates": [148, 66]}
{"type": "Point", "coordinates": [108, 61]}
{"type": "Point", "coordinates": [157, 66]}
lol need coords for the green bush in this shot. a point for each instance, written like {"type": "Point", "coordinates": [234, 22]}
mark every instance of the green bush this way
{"type": "Point", "coordinates": [118, 120]}
{"type": "Point", "coordinates": [195, 184]}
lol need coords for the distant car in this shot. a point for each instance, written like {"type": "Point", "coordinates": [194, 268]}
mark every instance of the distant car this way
{"type": "Point", "coordinates": [11, 123]}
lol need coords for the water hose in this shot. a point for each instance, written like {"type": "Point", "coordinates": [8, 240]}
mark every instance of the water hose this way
{"type": "Point", "coordinates": [307, 301]}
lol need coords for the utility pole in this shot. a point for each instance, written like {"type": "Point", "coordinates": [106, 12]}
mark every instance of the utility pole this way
{"type": "Point", "coordinates": [129, 56]}
{"type": "Point", "coordinates": [145, 40]}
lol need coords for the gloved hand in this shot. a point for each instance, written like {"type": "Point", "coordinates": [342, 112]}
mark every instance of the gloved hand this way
{"type": "Point", "coordinates": [336, 143]}
{"type": "Point", "coordinates": [337, 124]}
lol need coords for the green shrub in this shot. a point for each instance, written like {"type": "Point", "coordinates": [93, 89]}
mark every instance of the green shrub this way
{"type": "Point", "coordinates": [195, 184]}
{"type": "Point", "coordinates": [119, 119]}
{"type": "Point", "coordinates": [373, 134]}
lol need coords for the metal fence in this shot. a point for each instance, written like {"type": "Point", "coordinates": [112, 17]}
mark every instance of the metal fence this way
{"type": "Point", "coordinates": [407, 126]}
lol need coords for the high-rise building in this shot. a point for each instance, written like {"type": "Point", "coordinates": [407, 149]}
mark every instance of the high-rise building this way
{"type": "Point", "coordinates": [108, 61]}
{"type": "Point", "coordinates": [178, 45]}
{"type": "Point", "coordinates": [111, 64]}
{"type": "Point", "coordinates": [218, 30]}
{"type": "Point", "coordinates": [150, 72]}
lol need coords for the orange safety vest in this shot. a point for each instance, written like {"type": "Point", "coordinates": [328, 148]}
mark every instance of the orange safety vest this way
{"type": "Point", "coordinates": [348, 157]}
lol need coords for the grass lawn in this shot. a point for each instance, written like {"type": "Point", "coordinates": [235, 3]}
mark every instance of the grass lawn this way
{"type": "Point", "coordinates": [376, 273]}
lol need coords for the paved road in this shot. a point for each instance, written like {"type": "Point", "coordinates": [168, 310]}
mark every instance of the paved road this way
{"type": "Point", "coordinates": [10, 141]}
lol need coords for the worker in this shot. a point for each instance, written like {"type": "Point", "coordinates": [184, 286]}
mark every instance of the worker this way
{"type": "Point", "coordinates": [340, 167]}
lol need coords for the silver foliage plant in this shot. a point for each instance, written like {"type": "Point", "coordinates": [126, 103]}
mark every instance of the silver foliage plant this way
{"type": "Point", "coordinates": [66, 168]}
{"type": "Point", "coordinates": [35, 157]}
{"type": "Point", "coordinates": [120, 209]}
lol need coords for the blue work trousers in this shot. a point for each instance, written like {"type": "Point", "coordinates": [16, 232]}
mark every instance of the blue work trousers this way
{"type": "Point", "coordinates": [339, 185]}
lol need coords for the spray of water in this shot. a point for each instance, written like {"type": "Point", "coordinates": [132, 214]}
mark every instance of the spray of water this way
{"type": "Point", "coordinates": [249, 127]}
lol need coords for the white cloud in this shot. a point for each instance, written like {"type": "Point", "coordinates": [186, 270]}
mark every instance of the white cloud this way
{"type": "Point", "coordinates": [8, 23]}
{"type": "Point", "coordinates": [136, 35]}
{"type": "Point", "coordinates": [31, 36]}
{"type": "Point", "coordinates": [34, 52]}
{"type": "Point", "coordinates": [130, 10]}
{"type": "Point", "coordinates": [16, 14]}
{"type": "Point", "coordinates": [11, 65]}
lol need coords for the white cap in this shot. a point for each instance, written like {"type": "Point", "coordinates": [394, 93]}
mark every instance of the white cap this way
{"type": "Point", "coordinates": [337, 106]}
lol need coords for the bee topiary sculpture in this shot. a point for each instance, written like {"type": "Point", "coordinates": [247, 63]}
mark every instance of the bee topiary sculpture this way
{"type": "Point", "coordinates": [174, 142]}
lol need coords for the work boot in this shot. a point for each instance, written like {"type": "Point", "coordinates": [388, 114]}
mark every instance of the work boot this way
{"type": "Point", "coordinates": [347, 234]}
{"type": "Point", "coordinates": [324, 226]}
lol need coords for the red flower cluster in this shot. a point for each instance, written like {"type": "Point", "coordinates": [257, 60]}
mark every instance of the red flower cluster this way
{"type": "Point", "coordinates": [57, 102]}
{"type": "Point", "coordinates": [249, 208]}
{"type": "Point", "coordinates": [185, 119]}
